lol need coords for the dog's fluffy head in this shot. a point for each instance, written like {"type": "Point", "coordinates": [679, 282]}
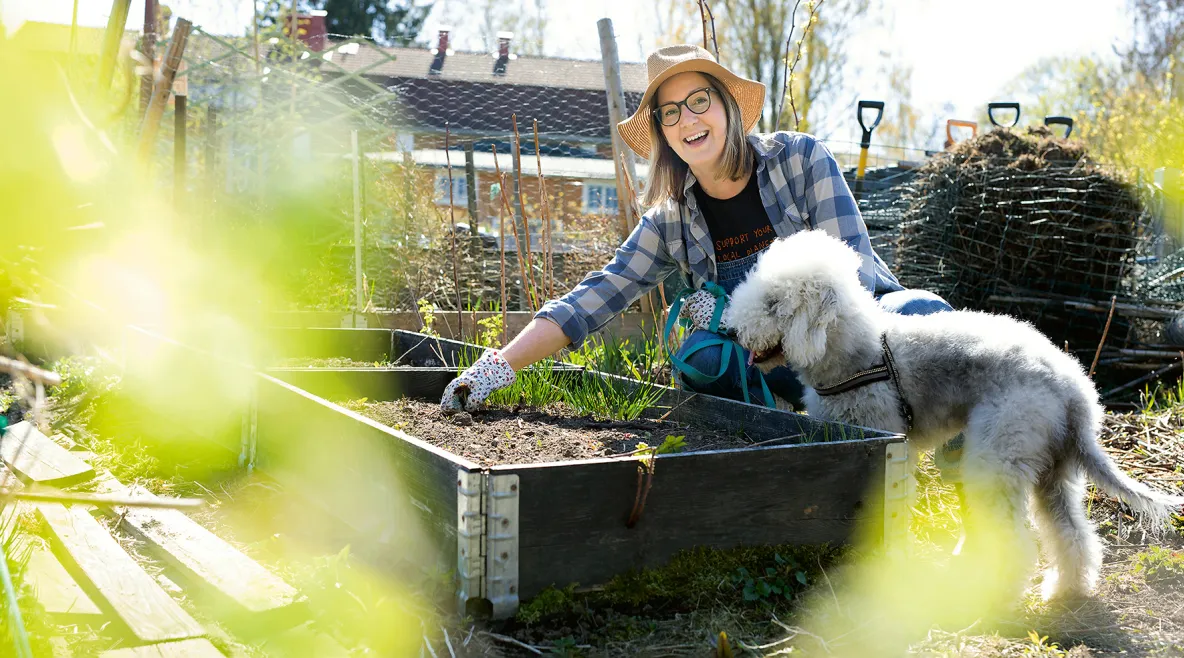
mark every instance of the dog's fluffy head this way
{"type": "Point", "coordinates": [784, 308]}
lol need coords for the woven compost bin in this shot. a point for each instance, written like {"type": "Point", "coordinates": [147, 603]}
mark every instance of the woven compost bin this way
{"type": "Point", "coordinates": [1015, 216]}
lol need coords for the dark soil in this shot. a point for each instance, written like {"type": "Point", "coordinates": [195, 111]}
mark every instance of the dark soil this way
{"type": "Point", "coordinates": [503, 435]}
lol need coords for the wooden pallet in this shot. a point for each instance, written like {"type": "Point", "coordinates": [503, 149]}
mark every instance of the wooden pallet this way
{"type": "Point", "coordinates": [89, 578]}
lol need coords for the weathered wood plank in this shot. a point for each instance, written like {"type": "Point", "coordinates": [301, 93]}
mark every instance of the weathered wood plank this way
{"type": "Point", "coordinates": [196, 648]}
{"type": "Point", "coordinates": [235, 581]}
{"type": "Point", "coordinates": [93, 557]}
{"type": "Point", "coordinates": [356, 344]}
{"type": "Point", "coordinates": [799, 494]}
{"type": "Point", "coordinates": [396, 491]}
{"type": "Point", "coordinates": [370, 383]}
{"type": "Point", "coordinates": [57, 592]}
{"type": "Point", "coordinates": [34, 457]}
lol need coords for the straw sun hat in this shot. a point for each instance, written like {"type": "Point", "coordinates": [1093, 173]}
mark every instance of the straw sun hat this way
{"type": "Point", "coordinates": [672, 60]}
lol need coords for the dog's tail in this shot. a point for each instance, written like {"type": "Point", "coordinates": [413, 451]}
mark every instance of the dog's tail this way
{"type": "Point", "coordinates": [1084, 424]}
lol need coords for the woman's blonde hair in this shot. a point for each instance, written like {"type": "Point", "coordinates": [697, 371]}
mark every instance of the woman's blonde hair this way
{"type": "Point", "coordinates": [668, 172]}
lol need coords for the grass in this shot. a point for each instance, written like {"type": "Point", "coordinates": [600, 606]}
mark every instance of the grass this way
{"type": "Point", "coordinates": [541, 385]}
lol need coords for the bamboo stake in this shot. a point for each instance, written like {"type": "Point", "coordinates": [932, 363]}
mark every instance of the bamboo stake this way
{"type": "Point", "coordinates": [1106, 330]}
{"type": "Point", "coordinates": [148, 47]}
{"type": "Point", "coordinates": [501, 241]}
{"type": "Point", "coordinates": [548, 261]}
{"type": "Point", "coordinates": [164, 86]}
{"type": "Point", "coordinates": [180, 128]}
{"type": "Point", "coordinates": [111, 38]}
{"type": "Point", "coordinates": [525, 219]}
{"type": "Point", "coordinates": [101, 500]}
{"type": "Point", "coordinates": [452, 232]}
{"type": "Point", "coordinates": [526, 291]}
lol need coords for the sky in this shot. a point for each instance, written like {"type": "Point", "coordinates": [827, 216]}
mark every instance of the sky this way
{"type": "Point", "coordinates": [961, 53]}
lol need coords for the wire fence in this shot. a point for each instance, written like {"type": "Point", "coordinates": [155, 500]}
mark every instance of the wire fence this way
{"type": "Point", "coordinates": [269, 117]}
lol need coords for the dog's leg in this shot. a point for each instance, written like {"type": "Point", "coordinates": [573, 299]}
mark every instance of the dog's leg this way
{"type": "Point", "coordinates": [1000, 548]}
{"type": "Point", "coordinates": [1071, 541]}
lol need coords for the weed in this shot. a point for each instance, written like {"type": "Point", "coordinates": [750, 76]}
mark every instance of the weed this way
{"type": "Point", "coordinates": [1041, 646]}
{"type": "Point", "coordinates": [551, 602]}
{"type": "Point", "coordinates": [427, 313]}
{"type": "Point", "coordinates": [771, 582]}
{"type": "Point", "coordinates": [1160, 566]}
{"type": "Point", "coordinates": [489, 333]}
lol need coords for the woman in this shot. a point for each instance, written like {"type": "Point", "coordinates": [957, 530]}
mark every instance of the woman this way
{"type": "Point", "coordinates": [717, 197]}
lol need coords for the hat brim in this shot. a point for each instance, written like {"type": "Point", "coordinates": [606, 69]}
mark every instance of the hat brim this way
{"type": "Point", "coordinates": [749, 95]}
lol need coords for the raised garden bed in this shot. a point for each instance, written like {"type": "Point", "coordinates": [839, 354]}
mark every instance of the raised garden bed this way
{"type": "Point", "coordinates": [511, 530]}
{"type": "Point", "coordinates": [332, 347]}
{"type": "Point", "coordinates": [507, 531]}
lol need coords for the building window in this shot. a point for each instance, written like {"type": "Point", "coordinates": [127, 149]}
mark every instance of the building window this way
{"type": "Point", "coordinates": [600, 198]}
{"type": "Point", "coordinates": [460, 189]}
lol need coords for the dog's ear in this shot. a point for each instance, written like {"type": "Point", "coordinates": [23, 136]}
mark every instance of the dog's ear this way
{"type": "Point", "coordinates": [806, 331]}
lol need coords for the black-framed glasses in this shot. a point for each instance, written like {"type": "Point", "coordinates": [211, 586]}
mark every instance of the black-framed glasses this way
{"type": "Point", "coordinates": [698, 102]}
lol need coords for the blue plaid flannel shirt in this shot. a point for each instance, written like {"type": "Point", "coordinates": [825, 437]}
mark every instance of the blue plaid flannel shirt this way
{"type": "Point", "coordinates": [801, 187]}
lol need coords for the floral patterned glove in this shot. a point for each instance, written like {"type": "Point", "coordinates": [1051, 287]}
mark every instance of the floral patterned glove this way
{"type": "Point", "coordinates": [486, 375]}
{"type": "Point", "coordinates": [698, 307]}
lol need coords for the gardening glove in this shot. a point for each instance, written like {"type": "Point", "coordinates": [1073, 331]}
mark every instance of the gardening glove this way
{"type": "Point", "coordinates": [698, 308]}
{"type": "Point", "coordinates": [486, 375]}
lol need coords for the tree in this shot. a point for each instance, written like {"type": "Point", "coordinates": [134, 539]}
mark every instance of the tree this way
{"type": "Point", "coordinates": [752, 36]}
{"type": "Point", "coordinates": [1158, 44]}
{"type": "Point", "coordinates": [392, 23]}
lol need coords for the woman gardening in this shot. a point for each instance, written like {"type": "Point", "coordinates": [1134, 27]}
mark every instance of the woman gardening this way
{"type": "Point", "coordinates": [717, 196]}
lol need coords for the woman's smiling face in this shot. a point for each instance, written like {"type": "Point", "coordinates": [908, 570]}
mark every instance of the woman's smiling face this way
{"type": "Point", "coordinates": [697, 138]}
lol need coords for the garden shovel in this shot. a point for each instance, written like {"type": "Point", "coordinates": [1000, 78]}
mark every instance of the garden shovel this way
{"type": "Point", "coordinates": [866, 140]}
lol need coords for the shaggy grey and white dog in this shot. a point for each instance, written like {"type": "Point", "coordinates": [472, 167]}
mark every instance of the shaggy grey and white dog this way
{"type": "Point", "coordinates": [1029, 413]}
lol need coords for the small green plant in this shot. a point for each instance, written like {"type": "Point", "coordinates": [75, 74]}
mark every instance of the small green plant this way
{"type": "Point", "coordinates": [6, 401]}
{"type": "Point", "coordinates": [548, 603]}
{"type": "Point", "coordinates": [670, 445]}
{"type": "Point", "coordinates": [773, 583]}
{"type": "Point", "coordinates": [489, 333]}
{"type": "Point", "coordinates": [1041, 646]}
{"type": "Point", "coordinates": [1162, 397]}
{"type": "Point", "coordinates": [1160, 566]}
{"type": "Point", "coordinates": [356, 406]}
{"type": "Point", "coordinates": [427, 313]}
{"type": "Point", "coordinates": [566, 646]}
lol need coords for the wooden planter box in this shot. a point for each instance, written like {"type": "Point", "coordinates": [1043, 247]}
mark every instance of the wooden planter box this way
{"type": "Point", "coordinates": [394, 346]}
{"type": "Point", "coordinates": [511, 531]}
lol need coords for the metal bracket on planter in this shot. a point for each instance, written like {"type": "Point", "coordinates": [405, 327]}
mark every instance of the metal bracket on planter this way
{"type": "Point", "coordinates": [501, 540]}
{"type": "Point", "coordinates": [470, 531]}
{"type": "Point", "coordinates": [249, 438]}
{"type": "Point", "coordinates": [487, 541]}
{"type": "Point", "coordinates": [898, 496]}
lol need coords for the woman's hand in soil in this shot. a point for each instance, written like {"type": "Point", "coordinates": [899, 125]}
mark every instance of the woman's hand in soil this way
{"type": "Point", "coordinates": [486, 375]}
{"type": "Point", "coordinates": [699, 307]}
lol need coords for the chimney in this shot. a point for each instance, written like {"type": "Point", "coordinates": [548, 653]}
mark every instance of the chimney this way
{"type": "Point", "coordinates": [311, 29]}
{"type": "Point", "coordinates": [440, 51]}
{"type": "Point", "coordinates": [503, 52]}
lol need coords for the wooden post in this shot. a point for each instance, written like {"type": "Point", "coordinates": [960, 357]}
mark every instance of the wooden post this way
{"type": "Point", "coordinates": [616, 114]}
{"type": "Point", "coordinates": [211, 155]}
{"type": "Point", "coordinates": [180, 121]}
{"type": "Point", "coordinates": [111, 39]}
{"type": "Point", "coordinates": [471, 185]}
{"type": "Point", "coordinates": [160, 93]}
{"type": "Point", "coordinates": [148, 47]}
{"type": "Point", "coordinates": [621, 151]}
{"type": "Point", "coordinates": [358, 287]}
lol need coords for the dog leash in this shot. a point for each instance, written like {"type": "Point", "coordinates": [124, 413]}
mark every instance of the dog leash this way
{"type": "Point", "coordinates": [886, 371]}
{"type": "Point", "coordinates": [727, 346]}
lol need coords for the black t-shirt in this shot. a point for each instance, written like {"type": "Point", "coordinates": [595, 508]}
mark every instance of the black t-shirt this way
{"type": "Point", "coordinates": [738, 226]}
